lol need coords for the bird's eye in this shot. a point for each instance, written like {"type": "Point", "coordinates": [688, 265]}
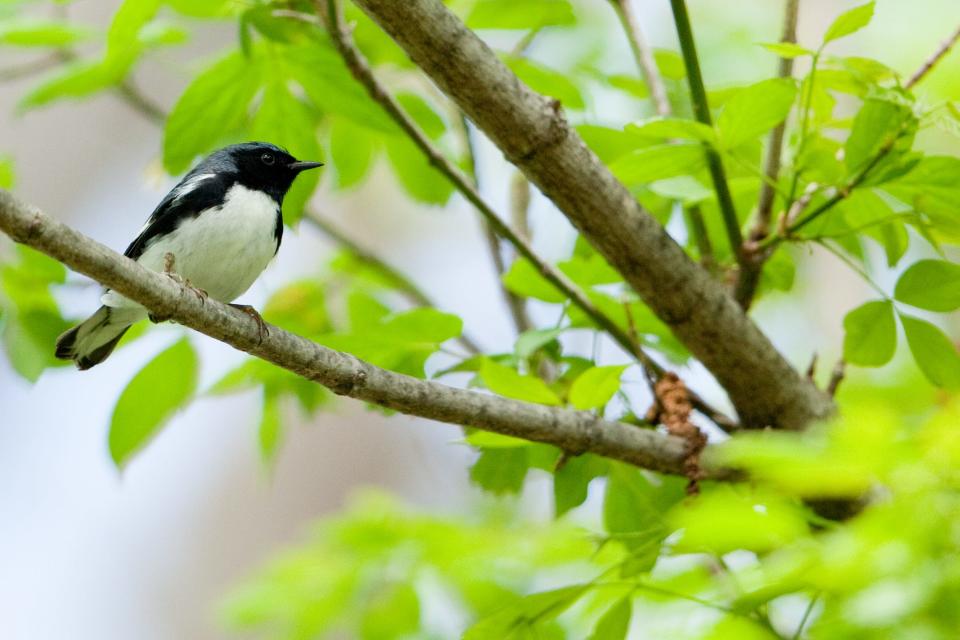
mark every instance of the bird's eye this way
{"type": "Point", "coordinates": [267, 158]}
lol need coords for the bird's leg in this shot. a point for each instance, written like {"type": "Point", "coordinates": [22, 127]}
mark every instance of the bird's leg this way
{"type": "Point", "coordinates": [262, 329]}
{"type": "Point", "coordinates": [169, 261]}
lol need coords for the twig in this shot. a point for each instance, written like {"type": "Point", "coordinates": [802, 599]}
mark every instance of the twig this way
{"type": "Point", "coordinates": [806, 616]}
{"type": "Point", "coordinates": [30, 68]}
{"type": "Point", "coordinates": [701, 109]}
{"type": "Point", "coordinates": [515, 304]}
{"type": "Point", "coordinates": [344, 374]}
{"type": "Point", "coordinates": [140, 102]}
{"type": "Point", "coordinates": [749, 276]}
{"type": "Point", "coordinates": [938, 55]}
{"type": "Point", "coordinates": [643, 55]}
{"type": "Point", "coordinates": [836, 377]}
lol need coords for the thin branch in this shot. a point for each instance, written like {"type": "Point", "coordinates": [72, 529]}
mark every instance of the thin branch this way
{"type": "Point", "coordinates": [643, 55]}
{"type": "Point", "coordinates": [836, 377]}
{"type": "Point", "coordinates": [938, 55]}
{"type": "Point", "coordinates": [132, 95]}
{"type": "Point", "coordinates": [533, 134]}
{"type": "Point", "coordinates": [701, 109]}
{"type": "Point", "coordinates": [27, 69]}
{"type": "Point", "coordinates": [361, 70]}
{"type": "Point", "coordinates": [749, 276]}
{"type": "Point", "coordinates": [344, 374]}
{"type": "Point", "coordinates": [515, 304]}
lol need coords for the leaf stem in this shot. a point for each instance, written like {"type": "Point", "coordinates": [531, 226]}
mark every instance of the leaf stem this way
{"type": "Point", "coordinates": [701, 109]}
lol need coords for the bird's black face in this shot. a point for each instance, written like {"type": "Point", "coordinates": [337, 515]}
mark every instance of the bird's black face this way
{"type": "Point", "coordinates": [266, 167]}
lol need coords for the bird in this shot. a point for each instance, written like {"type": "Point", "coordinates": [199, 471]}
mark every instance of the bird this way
{"type": "Point", "coordinates": [214, 232]}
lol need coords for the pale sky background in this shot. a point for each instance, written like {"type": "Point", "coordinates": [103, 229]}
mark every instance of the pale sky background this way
{"type": "Point", "coordinates": [86, 553]}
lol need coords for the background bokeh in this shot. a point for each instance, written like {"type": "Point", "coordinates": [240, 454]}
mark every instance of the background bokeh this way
{"type": "Point", "coordinates": [87, 552]}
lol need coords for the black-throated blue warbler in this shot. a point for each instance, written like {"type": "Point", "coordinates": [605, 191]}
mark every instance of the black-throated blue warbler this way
{"type": "Point", "coordinates": [217, 230]}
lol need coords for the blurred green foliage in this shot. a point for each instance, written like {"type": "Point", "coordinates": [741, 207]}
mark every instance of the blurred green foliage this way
{"type": "Point", "coordinates": [748, 560]}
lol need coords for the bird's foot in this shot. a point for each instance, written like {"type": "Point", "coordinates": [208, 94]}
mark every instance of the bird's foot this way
{"type": "Point", "coordinates": [262, 329]}
{"type": "Point", "coordinates": [169, 261]}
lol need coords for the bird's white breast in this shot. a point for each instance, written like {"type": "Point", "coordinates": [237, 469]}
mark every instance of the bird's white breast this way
{"type": "Point", "coordinates": [222, 250]}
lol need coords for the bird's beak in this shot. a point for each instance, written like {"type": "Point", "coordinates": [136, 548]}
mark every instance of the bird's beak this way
{"type": "Point", "coordinates": [299, 166]}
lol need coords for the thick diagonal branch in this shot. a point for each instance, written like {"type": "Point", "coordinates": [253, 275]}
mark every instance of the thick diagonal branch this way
{"type": "Point", "coordinates": [572, 431]}
{"type": "Point", "coordinates": [532, 133]}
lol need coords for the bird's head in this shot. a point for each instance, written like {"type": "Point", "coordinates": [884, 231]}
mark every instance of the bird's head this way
{"type": "Point", "coordinates": [261, 165]}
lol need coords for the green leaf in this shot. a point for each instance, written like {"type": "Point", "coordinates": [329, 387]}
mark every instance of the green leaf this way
{"type": "Point", "coordinates": [42, 33]}
{"type": "Point", "coordinates": [532, 340]}
{"type": "Point", "coordinates": [670, 64]}
{"type": "Point", "coordinates": [286, 121]}
{"type": "Point", "coordinates": [725, 518]}
{"type": "Point", "coordinates": [400, 342]}
{"type": "Point", "coordinates": [615, 622]}
{"type": "Point", "coordinates": [634, 509]}
{"type": "Point", "coordinates": [932, 187]}
{"type": "Point", "coordinates": [933, 285]}
{"type": "Point", "coordinates": [572, 481]}
{"type": "Point", "coordinates": [934, 352]}
{"type": "Point", "coordinates": [6, 173]}
{"type": "Point", "coordinates": [673, 128]}
{"type": "Point", "coordinates": [320, 70]}
{"type": "Point", "coordinates": [416, 175]}
{"type": "Point", "coordinates": [393, 612]}
{"type": "Point", "coordinates": [151, 398]}
{"type": "Point", "coordinates": [786, 49]}
{"type": "Point", "coordinates": [547, 81]}
{"type": "Point", "coordinates": [423, 114]}
{"type": "Point", "coordinates": [608, 143]}
{"type": "Point", "coordinates": [849, 22]}
{"type": "Point", "coordinates": [352, 149]}
{"type": "Point", "coordinates": [270, 431]}
{"type": "Point", "coordinates": [521, 619]}
{"type": "Point", "coordinates": [875, 125]}
{"type": "Point", "coordinates": [870, 338]}
{"type": "Point", "coordinates": [596, 386]}
{"type": "Point", "coordinates": [211, 108]}
{"type": "Point", "coordinates": [511, 384]}
{"type": "Point", "coordinates": [658, 162]}
{"type": "Point", "coordinates": [76, 80]}
{"type": "Point", "coordinates": [501, 470]}
{"type": "Point", "coordinates": [524, 280]}
{"type": "Point", "coordinates": [529, 14]}
{"type": "Point", "coordinates": [754, 110]}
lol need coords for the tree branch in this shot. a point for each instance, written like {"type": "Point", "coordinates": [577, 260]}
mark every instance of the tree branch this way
{"type": "Point", "coordinates": [572, 431]}
{"type": "Point", "coordinates": [701, 110]}
{"type": "Point", "coordinates": [533, 134]}
{"type": "Point", "coordinates": [749, 276]}
{"type": "Point", "coordinates": [938, 55]}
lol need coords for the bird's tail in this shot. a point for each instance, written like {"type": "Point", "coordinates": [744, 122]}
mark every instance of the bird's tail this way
{"type": "Point", "coordinates": [90, 342]}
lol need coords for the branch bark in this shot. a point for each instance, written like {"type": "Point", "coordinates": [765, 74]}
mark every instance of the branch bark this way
{"type": "Point", "coordinates": [573, 431]}
{"type": "Point", "coordinates": [533, 134]}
